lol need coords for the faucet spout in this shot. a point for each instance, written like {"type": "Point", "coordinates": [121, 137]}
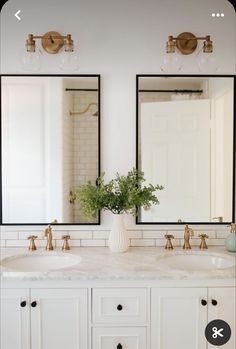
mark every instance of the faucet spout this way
{"type": "Point", "coordinates": [48, 235]}
{"type": "Point", "coordinates": [188, 233]}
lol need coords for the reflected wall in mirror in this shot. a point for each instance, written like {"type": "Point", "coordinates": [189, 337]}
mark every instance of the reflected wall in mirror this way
{"type": "Point", "coordinates": [185, 142]}
{"type": "Point", "coordinates": [50, 145]}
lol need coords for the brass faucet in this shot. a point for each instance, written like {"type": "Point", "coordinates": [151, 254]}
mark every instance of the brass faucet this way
{"type": "Point", "coordinates": [169, 245]}
{"type": "Point", "coordinates": [203, 244]}
{"type": "Point", "coordinates": [188, 233]}
{"type": "Point", "coordinates": [65, 246]}
{"type": "Point", "coordinates": [48, 235]}
{"type": "Point", "coordinates": [32, 246]}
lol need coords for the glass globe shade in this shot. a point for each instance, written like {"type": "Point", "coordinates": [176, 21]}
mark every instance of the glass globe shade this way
{"type": "Point", "coordinates": [69, 61]}
{"type": "Point", "coordinates": [172, 63]}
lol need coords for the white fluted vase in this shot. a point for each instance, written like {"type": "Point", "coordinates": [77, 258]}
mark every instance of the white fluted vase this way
{"type": "Point", "coordinates": [118, 239]}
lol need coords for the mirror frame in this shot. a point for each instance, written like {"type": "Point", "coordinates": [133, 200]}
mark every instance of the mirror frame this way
{"type": "Point", "coordinates": [98, 76]}
{"type": "Point", "coordinates": [138, 76]}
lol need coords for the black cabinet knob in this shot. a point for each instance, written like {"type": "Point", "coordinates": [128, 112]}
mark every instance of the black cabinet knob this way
{"type": "Point", "coordinates": [33, 304]}
{"type": "Point", "coordinates": [119, 346]}
{"type": "Point", "coordinates": [203, 302]}
{"type": "Point", "coordinates": [214, 302]}
{"type": "Point", "coordinates": [119, 307]}
{"type": "Point", "coordinates": [23, 304]}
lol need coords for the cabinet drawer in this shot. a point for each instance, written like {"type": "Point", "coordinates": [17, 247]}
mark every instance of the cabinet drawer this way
{"type": "Point", "coordinates": [119, 338]}
{"type": "Point", "coordinates": [120, 305]}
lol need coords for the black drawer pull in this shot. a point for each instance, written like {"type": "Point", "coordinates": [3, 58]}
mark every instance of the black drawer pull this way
{"type": "Point", "coordinates": [119, 346]}
{"type": "Point", "coordinates": [33, 304]}
{"type": "Point", "coordinates": [23, 304]}
{"type": "Point", "coordinates": [119, 307]}
{"type": "Point", "coordinates": [203, 302]}
{"type": "Point", "coordinates": [214, 302]}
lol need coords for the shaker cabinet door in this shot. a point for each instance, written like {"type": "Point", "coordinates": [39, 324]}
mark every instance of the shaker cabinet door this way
{"type": "Point", "coordinates": [178, 318]}
{"type": "Point", "coordinates": [221, 305]}
{"type": "Point", "coordinates": [59, 318]}
{"type": "Point", "coordinates": [15, 319]}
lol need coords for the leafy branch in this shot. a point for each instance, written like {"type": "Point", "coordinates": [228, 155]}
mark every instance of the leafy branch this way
{"type": "Point", "coordinates": [122, 194]}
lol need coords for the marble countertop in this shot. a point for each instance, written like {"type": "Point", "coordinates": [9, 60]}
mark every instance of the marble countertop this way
{"type": "Point", "coordinates": [98, 263]}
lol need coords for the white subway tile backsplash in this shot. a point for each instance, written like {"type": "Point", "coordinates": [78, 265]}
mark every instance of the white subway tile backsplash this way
{"type": "Point", "coordinates": [221, 234]}
{"type": "Point", "coordinates": [73, 234]}
{"type": "Point", "coordinates": [93, 243]}
{"type": "Point", "coordinates": [8, 235]}
{"type": "Point", "coordinates": [142, 242]}
{"type": "Point", "coordinates": [100, 234]}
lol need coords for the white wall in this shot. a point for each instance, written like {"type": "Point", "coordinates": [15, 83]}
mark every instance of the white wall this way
{"type": "Point", "coordinates": [118, 39]}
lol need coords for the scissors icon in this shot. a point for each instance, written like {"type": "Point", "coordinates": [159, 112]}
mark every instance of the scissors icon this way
{"type": "Point", "coordinates": [217, 332]}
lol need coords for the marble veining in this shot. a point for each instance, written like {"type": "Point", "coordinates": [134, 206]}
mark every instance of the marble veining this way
{"type": "Point", "coordinates": [98, 263]}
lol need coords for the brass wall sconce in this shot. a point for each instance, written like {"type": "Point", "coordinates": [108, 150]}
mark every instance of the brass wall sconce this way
{"type": "Point", "coordinates": [187, 43]}
{"type": "Point", "coordinates": [52, 42]}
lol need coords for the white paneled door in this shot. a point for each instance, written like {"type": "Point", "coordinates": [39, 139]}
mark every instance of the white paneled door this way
{"type": "Point", "coordinates": [59, 319]}
{"type": "Point", "coordinates": [175, 152]}
{"type": "Point", "coordinates": [178, 318]}
{"type": "Point", "coordinates": [15, 319]}
{"type": "Point", "coordinates": [222, 305]}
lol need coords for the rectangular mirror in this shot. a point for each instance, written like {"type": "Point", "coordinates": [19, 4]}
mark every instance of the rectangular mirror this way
{"type": "Point", "coordinates": [185, 142]}
{"type": "Point", "coordinates": [50, 144]}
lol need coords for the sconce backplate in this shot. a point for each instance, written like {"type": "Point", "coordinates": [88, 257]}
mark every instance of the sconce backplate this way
{"type": "Point", "coordinates": [186, 43]}
{"type": "Point", "coordinates": [52, 42]}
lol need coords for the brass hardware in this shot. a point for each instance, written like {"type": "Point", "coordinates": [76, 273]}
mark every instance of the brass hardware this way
{"type": "Point", "coordinates": [188, 233]}
{"type": "Point", "coordinates": [203, 244]}
{"type": "Point", "coordinates": [65, 246]}
{"type": "Point", "coordinates": [30, 43]}
{"type": "Point", "coordinates": [48, 235]}
{"type": "Point", "coordinates": [84, 111]}
{"type": "Point", "coordinates": [187, 42]}
{"type": "Point", "coordinates": [32, 246]}
{"type": "Point", "coordinates": [52, 42]}
{"type": "Point", "coordinates": [219, 219]}
{"type": "Point", "coordinates": [169, 245]}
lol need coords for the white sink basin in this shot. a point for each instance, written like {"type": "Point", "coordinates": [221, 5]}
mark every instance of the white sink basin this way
{"type": "Point", "coordinates": [40, 262]}
{"type": "Point", "coordinates": [196, 261]}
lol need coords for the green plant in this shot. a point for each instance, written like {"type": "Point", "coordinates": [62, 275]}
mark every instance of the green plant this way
{"type": "Point", "coordinates": [122, 194]}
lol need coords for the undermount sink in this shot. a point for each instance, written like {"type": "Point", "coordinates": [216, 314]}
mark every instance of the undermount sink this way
{"type": "Point", "coordinates": [196, 261]}
{"type": "Point", "coordinates": [40, 262]}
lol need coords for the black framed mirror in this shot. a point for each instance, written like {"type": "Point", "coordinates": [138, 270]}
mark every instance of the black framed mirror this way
{"type": "Point", "coordinates": [185, 141]}
{"type": "Point", "coordinates": [50, 144]}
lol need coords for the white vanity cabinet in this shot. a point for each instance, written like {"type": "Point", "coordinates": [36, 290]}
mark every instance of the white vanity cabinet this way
{"type": "Point", "coordinates": [179, 316]}
{"type": "Point", "coordinates": [44, 319]}
{"type": "Point", "coordinates": [113, 316]}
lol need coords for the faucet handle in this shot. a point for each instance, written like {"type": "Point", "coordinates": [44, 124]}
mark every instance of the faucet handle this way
{"type": "Point", "coordinates": [203, 244]}
{"type": "Point", "coordinates": [169, 245]}
{"type": "Point", "coordinates": [65, 245]}
{"type": "Point", "coordinates": [32, 246]}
